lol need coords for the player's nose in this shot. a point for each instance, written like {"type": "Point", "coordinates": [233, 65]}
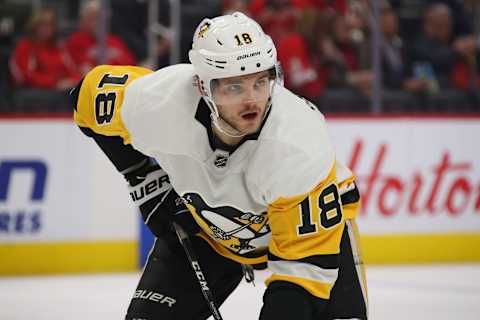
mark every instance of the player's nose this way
{"type": "Point", "coordinates": [250, 96]}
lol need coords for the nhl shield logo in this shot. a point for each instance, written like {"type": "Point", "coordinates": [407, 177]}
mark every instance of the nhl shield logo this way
{"type": "Point", "coordinates": [219, 158]}
{"type": "Point", "coordinates": [221, 161]}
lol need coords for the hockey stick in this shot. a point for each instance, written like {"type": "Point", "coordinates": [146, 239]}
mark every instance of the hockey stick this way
{"type": "Point", "coordinates": [192, 257]}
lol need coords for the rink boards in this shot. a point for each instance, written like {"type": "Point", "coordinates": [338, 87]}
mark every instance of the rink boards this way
{"type": "Point", "coordinates": [63, 207]}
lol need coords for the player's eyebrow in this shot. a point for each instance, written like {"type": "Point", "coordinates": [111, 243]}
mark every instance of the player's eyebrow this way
{"type": "Point", "coordinates": [240, 79]}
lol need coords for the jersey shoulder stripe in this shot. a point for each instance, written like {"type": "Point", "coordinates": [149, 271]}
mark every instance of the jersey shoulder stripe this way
{"type": "Point", "coordinates": [100, 99]}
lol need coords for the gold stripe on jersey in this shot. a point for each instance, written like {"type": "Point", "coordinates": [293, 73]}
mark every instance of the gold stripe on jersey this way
{"type": "Point", "coordinates": [101, 97]}
{"type": "Point", "coordinates": [308, 227]}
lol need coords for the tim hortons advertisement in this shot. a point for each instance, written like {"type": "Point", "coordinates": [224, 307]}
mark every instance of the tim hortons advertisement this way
{"type": "Point", "coordinates": [415, 175]}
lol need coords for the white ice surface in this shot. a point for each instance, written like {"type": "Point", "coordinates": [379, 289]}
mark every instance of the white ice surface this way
{"type": "Point", "coordinates": [438, 292]}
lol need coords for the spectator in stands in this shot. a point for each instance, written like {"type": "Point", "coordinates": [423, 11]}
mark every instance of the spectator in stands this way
{"type": "Point", "coordinates": [466, 72]}
{"type": "Point", "coordinates": [129, 20]}
{"type": "Point", "coordinates": [348, 82]}
{"type": "Point", "coordinates": [230, 6]}
{"type": "Point", "coordinates": [84, 47]}
{"type": "Point", "coordinates": [340, 55]}
{"type": "Point", "coordinates": [277, 17]}
{"type": "Point", "coordinates": [434, 55]}
{"type": "Point", "coordinates": [340, 6]}
{"type": "Point", "coordinates": [297, 52]}
{"type": "Point", "coordinates": [411, 16]}
{"type": "Point", "coordinates": [358, 19]}
{"type": "Point", "coordinates": [394, 68]}
{"type": "Point", "coordinates": [322, 53]}
{"type": "Point", "coordinates": [39, 60]}
{"type": "Point", "coordinates": [472, 7]}
{"type": "Point", "coordinates": [393, 55]}
{"type": "Point", "coordinates": [394, 60]}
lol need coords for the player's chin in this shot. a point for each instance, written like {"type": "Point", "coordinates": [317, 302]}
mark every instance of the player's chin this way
{"type": "Point", "coordinates": [250, 127]}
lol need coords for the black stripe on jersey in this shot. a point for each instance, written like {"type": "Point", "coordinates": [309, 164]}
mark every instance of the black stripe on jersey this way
{"type": "Point", "coordinates": [73, 95]}
{"type": "Point", "coordinates": [123, 156]}
{"type": "Point", "coordinates": [324, 261]}
{"type": "Point", "coordinates": [350, 196]}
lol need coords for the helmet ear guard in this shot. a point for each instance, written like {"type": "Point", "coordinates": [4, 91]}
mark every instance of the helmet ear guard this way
{"type": "Point", "coordinates": [199, 85]}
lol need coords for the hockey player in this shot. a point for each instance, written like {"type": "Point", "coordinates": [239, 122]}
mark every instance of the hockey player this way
{"type": "Point", "coordinates": [222, 149]}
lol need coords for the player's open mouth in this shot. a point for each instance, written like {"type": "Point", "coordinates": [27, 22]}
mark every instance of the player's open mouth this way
{"type": "Point", "coordinates": [249, 116]}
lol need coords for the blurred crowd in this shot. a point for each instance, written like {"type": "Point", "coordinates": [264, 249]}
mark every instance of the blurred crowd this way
{"type": "Point", "coordinates": [419, 55]}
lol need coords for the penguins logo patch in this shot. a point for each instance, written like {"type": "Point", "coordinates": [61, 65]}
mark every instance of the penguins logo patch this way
{"type": "Point", "coordinates": [240, 231]}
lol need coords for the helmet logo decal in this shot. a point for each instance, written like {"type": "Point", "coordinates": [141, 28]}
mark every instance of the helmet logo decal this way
{"type": "Point", "coordinates": [244, 39]}
{"type": "Point", "coordinates": [203, 29]}
{"type": "Point", "coordinates": [248, 55]}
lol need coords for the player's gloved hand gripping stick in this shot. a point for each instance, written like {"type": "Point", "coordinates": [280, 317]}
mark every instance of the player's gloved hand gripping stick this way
{"type": "Point", "coordinates": [192, 257]}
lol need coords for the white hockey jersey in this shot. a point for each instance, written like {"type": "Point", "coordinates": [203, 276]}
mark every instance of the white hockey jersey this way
{"type": "Point", "coordinates": [278, 194]}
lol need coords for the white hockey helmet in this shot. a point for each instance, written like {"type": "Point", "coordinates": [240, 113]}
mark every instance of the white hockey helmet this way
{"type": "Point", "coordinates": [228, 46]}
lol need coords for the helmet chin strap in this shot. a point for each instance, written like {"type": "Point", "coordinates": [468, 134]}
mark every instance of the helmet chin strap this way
{"type": "Point", "coordinates": [219, 123]}
{"type": "Point", "coordinates": [222, 125]}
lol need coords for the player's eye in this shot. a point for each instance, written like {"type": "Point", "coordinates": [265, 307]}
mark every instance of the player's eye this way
{"type": "Point", "coordinates": [261, 83]}
{"type": "Point", "coordinates": [234, 88]}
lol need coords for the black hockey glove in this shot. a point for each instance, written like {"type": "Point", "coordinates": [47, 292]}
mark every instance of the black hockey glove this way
{"type": "Point", "coordinates": [159, 204]}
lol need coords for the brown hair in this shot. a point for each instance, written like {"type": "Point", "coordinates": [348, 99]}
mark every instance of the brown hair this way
{"type": "Point", "coordinates": [38, 17]}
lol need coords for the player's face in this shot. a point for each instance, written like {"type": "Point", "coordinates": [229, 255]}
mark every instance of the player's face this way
{"type": "Point", "coordinates": [242, 101]}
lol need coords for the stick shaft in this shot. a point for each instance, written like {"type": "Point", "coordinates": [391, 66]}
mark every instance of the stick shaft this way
{"type": "Point", "coordinates": [192, 257]}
